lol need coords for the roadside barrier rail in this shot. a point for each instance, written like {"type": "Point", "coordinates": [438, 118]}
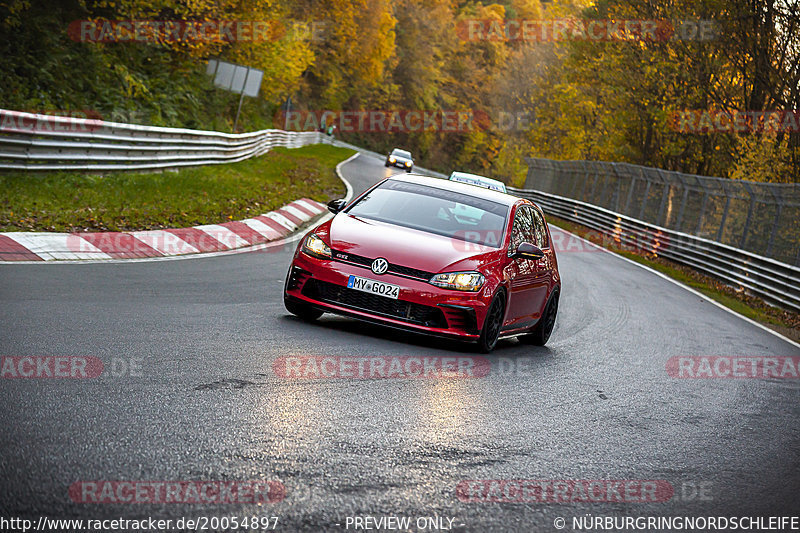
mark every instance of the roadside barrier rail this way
{"type": "Point", "coordinates": [776, 282]}
{"type": "Point", "coordinates": [33, 142]}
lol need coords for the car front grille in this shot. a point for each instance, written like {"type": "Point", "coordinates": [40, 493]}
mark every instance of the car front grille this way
{"type": "Point", "coordinates": [366, 262]}
{"type": "Point", "coordinates": [423, 315]}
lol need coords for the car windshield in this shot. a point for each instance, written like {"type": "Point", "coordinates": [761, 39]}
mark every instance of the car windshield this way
{"type": "Point", "coordinates": [402, 153]}
{"type": "Point", "coordinates": [433, 210]}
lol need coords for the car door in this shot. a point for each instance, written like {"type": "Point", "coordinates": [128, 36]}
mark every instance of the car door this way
{"type": "Point", "coordinates": [527, 278]}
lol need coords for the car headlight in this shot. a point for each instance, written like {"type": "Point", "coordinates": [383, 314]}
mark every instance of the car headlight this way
{"type": "Point", "coordinates": [316, 247]}
{"type": "Point", "coordinates": [461, 281]}
{"type": "Point", "coordinates": [392, 160]}
{"type": "Point", "coordinates": [408, 163]}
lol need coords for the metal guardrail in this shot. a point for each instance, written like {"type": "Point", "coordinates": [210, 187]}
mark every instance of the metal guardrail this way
{"type": "Point", "coordinates": [763, 218]}
{"type": "Point", "coordinates": [777, 283]}
{"type": "Point", "coordinates": [31, 141]}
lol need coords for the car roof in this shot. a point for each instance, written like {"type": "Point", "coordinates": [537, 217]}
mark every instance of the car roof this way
{"type": "Point", "coordinates": [458, 173]}
{"type": "Point", "coordinates": [482, 179]}
{"type": "Point", "coordinates": [466, 188]}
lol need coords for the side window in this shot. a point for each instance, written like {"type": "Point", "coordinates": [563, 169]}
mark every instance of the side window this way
{"type": "Point", "coordinates": [523, 228]}
{"type": "Point", "coordinates": [540, 230]}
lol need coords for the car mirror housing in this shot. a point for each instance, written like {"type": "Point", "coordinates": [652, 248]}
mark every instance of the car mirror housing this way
{"type": "Point", "coordinates": [527, 250]}
{"type": "Point", "coordinates": [334, 206]}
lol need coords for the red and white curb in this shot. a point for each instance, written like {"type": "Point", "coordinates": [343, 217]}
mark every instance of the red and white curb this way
{"type": "Point", "coordinates": [213, 238]}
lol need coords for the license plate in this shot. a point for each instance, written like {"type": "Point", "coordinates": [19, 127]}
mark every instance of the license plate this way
{"type": "Point", "coordinates": [373, 287]}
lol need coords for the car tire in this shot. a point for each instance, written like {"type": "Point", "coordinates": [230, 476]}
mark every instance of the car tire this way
{"type": "Point", "coordinates": [542, 330]}
{"type": "Point", "coordinates": [301, 310]}
{"type": "Point", "coordinates": [490, 331]}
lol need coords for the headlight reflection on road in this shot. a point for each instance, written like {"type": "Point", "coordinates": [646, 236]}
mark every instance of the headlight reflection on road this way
{"type": "Point", "coordinates": [444, 409]}
{"type": "Point", "coordinates": [431, 409]}
{"type": "Point", "coordinates": [293, 409]}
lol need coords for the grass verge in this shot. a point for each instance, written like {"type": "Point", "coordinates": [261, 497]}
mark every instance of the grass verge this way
{"type": "Point", "coordinates": [784, 322]}
{"type": "Point", "coordinates": [70, 201]}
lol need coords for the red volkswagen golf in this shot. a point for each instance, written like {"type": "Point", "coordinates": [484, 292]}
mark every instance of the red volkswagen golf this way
{"type": "Point", "coordinates": [433, 256]}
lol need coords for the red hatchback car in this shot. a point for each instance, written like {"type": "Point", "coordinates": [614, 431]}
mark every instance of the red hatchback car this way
{"type": "Point", "coordinates": [433, 256]}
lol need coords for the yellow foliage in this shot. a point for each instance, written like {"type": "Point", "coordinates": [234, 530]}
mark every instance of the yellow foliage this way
{"type": "Point", "coordinates": [763, 157]}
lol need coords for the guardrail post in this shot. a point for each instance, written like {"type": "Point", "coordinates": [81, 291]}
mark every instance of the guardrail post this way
{"type": "Point", "coordinates": [749, 218]}
{"type": "Point", "coordinates": [594, 184]}
{"type": "Point", "coordinates": [724, 217]}
{"type": "Point", "coordinates": [632, 186]}
{"type": "Point", "coordinates": [577, 180]}
{"type": "Point", "coordinates": [606, 175]}
{"type": "Point", "coordinates": [702, 213]}
{"type": "Point", "coordinates": [644, 199]}
{"type": "Point", "coordinates": [774, 228]}
{"type": "Point", "coordinates": [703, 203]}
{"type": "Point", "coordinates": [679, 221]}
{"type": "Point", "coordinates": [617, 193]}
{"type": "Point", "coordinates": [585, 183]}
{"type": "Point", "coordinates": [663, 207]}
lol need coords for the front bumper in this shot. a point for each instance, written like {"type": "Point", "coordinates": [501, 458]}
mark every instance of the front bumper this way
{"type": "Point", "coordinates": [400, 164]}
{"type": "Point", "coordinates": [420, 306]}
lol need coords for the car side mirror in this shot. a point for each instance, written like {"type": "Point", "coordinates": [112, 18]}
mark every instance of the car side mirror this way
{"type": "Point", "coordinates": [527, 250]}
{"type": "Point", "coordinates": [334, 206]}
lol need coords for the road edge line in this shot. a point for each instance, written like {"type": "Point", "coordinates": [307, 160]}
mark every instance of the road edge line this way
{"type": "Point", "coordinates": [685, 287]}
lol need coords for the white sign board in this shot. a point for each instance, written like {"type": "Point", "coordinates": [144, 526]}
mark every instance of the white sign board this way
{"type": "Point", "coordinates": [235, 78]}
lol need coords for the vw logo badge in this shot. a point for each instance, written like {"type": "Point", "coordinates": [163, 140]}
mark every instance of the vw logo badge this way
{"type": "Point", "coordinates": [380, 266]}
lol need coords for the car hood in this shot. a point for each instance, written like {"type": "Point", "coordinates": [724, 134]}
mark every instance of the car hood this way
{"type": "Point", "coordinates": [405, 246]}
{"type": "Point", "coordinates": [402, 159]}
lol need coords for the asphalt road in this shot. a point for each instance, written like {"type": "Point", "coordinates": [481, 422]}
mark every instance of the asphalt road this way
{"type": "Point", "coordinates": [202, 401]}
